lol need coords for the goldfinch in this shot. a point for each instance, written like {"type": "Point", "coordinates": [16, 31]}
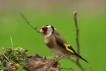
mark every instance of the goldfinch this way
{"type": "Point", "coordinates": [56, 43]}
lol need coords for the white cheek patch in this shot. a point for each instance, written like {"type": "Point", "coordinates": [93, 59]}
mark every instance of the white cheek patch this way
{"type": "Point", "coordinates": [49, 31]}
{"type": "Point", "coordinates": [48, 34]}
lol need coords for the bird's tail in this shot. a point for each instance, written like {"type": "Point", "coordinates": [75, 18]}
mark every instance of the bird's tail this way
{"type": "Point", "coordinates": [81, 57]}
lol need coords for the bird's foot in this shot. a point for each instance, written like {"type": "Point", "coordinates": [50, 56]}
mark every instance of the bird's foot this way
{"type": "Point", "coordinates": [59, 57]}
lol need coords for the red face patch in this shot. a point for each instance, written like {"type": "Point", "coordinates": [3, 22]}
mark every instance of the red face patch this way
{"type": "Point", "coordinates": [44, 28]}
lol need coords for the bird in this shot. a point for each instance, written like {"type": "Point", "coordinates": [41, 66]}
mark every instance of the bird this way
{"type": "Point", "coordinates": [57, 44]}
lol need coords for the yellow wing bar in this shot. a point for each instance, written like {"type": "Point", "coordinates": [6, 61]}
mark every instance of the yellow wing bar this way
{"type": "Point", "coordinates": [67, 48]}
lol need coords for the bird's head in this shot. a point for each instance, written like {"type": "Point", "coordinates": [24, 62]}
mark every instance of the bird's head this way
{"type": "Point", "coordinates": [47, 30]}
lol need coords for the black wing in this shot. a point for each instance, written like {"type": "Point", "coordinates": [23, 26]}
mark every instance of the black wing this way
{"type": "Point", "coordinates": [68, 48]}
{"type": "Point", "coordinates": [65, 46]}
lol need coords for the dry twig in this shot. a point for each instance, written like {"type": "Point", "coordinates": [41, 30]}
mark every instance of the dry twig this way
{"type": "Point", "coordinates": [34, 27]}
{"type": "Point", "coordinates": [77, 35]}
{"type": "Point", "coordinates": [77, 43]}
{"type": "Point", "coordinates": [78, 64]}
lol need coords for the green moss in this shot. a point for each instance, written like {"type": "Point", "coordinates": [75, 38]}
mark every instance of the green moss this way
{"type": "Point", "coordinates": [14, 56]}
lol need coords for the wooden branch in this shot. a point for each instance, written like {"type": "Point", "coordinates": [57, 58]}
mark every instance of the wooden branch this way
{"type": "Point", "coordinates": [34, 27]}
{"type": "Point", "coordinates": [38, 63]}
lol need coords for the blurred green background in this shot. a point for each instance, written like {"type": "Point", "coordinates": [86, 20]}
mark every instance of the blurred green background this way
{"type": "Point", "coordinates": [59, 13]}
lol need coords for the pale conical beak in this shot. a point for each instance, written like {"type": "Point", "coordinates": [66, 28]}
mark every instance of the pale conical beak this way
{"type": "Point", "coordinates": [41, 31]}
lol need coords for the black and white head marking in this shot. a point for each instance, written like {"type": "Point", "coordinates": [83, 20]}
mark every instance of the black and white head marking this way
{"type": "Point", "coordinates": [50, 30]}
{"type": "Point", "coordinates": [47, 30]}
